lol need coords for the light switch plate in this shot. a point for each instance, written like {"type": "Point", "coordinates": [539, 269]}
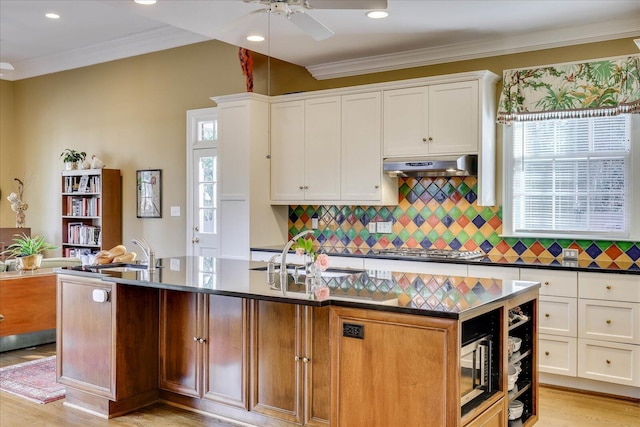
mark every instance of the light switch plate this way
{"type": "Point", "coordinates": [174, 264]}
{"type": "Point", "coordinates": [384, 227]}
{"type": "Point", "coordinates": [175, 210]}
{"type": "Point", "coordinates": [314, 223]}
{"type": "Point", "coordinates": [569, 254]}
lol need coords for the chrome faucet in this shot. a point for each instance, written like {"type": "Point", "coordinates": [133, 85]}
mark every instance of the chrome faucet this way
{"type": "Point", "coordinates": [283, 257]}
{"type": "Point", "coordinates": [150, 253]}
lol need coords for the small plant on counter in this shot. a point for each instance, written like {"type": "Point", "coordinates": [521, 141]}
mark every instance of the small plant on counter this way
{"type": "Point", "coordinates": [24, 245]}
{"type": "Point", "coordinates": [305, 247]}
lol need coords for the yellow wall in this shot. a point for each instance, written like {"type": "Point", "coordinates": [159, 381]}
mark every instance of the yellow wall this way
{"type": "Point", "coordinates": [132, 114]}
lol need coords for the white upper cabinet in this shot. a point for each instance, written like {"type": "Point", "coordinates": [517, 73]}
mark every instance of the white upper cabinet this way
{"type": "Point", "coordinates": [322, 120]}
{"type": "Point", "coordinates": [436, 120]}
{"type": "Point", "coordinates": [362, 150]}
{"type": "Point", "coordinates": [406, 124]}
{"type": "Point", "coordinates": [287, 151]}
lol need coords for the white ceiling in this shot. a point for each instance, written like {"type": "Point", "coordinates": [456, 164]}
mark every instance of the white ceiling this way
{"type": "Point", "coordinates": [417, 32]}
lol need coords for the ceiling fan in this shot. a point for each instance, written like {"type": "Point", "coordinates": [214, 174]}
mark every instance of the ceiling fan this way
{"type": "Point", "coordinates": [294, 11]}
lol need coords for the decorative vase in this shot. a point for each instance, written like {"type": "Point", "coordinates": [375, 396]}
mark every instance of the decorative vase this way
{"type": "Point", "coordinates": [71, 165]}
{"type": "Point", "coordinates": [313, 278]}
{"type": "Point", "coordinates": [29, 262]}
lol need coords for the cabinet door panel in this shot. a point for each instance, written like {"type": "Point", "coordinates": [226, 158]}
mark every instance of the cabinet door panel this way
{"type": "Point", "coordinates": [558, 355]}
{"type": "Point", "coordinates": [226, 359]}
{"type": "Point", "coordinates": [322, 148]}
{"type": "Point", "coordinates": [361, 147]}
{"type": "Point", "coordinates": [558, 316]}
{"type": "Point", "coordinates": [609, 321]}
{"type": "Point", "coordinates": [608, 361]}
{"type": "Point", "coordinates": [179, 352]}
{"type": "Point", "coordinates": [276, 377]}
{"type": "Point", "coordinates": [405, 129]}
{"type": "Point", "coordinates": [86, 338]}
{"type": "Point", "coordinates": [318, 370]}
{"type": "Point", "coordinates": [287, 151]}
{"type": "Point", "coordinates": [453, 118]}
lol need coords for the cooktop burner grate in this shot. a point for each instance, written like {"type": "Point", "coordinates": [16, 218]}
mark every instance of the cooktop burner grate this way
{"type": "Point", "coordinates": [430, 253]}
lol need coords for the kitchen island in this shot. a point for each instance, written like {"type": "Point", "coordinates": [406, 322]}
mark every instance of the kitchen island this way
{"type": "Point", "coordinates": [382, 348]}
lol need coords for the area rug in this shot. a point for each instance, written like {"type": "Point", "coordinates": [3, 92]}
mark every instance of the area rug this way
{"type": "Point", "coordinates": [34, 380]}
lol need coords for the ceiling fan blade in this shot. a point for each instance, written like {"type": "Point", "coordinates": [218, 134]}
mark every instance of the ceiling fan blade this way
{"type": "Point", "coordinates": [310, 25]}
{"type": "Point", "coordinates": [6, 66]}
{"type": "Point", "coordinates": [348, 4]}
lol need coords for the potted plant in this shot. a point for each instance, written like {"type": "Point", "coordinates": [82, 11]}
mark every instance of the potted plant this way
{"type": "Point", "coordinates": [28, 251]}
{"type": "Point", "coordinates": [71, 158]}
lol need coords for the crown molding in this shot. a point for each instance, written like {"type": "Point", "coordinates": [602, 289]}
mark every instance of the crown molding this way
{"type": "Point", "coordinates": [138, 44]}
{"type": "Point", "coordinates": [477, 49]}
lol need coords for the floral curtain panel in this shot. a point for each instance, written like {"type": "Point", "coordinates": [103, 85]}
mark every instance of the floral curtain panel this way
{"type": "Point", "coordinates": [605, 87]}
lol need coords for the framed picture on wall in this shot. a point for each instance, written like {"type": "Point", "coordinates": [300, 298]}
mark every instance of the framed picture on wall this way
{"type": "Point", "coordinates": [149, 193]}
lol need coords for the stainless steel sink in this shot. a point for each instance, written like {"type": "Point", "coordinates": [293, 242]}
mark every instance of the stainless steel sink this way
{"type": "Point", "coordinates": [330, 272]}
{"type": "Point", "coordinates": [113, 267]}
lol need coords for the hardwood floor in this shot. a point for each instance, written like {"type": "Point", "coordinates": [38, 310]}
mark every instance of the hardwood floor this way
{"type": "Point", "coordinates": [558, 408]}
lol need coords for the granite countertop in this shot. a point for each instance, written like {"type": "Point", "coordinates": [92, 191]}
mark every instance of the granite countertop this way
{"type": "Point", "coordinates": [411, 293]}
{"type": "Point", "coordinates": [493, 260]}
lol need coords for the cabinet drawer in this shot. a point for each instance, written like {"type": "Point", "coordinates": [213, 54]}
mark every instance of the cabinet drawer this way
{"type": "Point", "coordinates": [554, 283]}
{"type": "Point", "coordinates": [609, 321]}
{"type": "Point", "coordinates": [612, 287]}
{"type": "Point", "coordinates": [502, 273]}
{"type": "Point", "coordinates": [558, 316]}
{"type": "Point", "coordinates": [558, 355]}
{"type": "Point", "coordinates": [611, 362]}
{"type": "Point", "coordinates": [445, 269]}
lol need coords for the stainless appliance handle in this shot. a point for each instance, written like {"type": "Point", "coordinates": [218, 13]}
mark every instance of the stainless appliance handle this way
{"type": "Point", "coordinates": [486, 347]}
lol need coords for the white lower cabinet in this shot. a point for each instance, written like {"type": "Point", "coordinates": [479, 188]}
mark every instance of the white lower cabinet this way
{"type": "Point", "coordinates": [609, 361]}
{"type": "Point", "coordinates": [489, 271]}
{"type": "Point", "coordinates": [557, 316]}
{"type": "Point", "coordinates": [557, 354]}
{"type": "Point", "coordinates": [610, 321]}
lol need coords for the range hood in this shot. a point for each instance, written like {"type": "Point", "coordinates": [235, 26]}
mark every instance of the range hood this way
{"type": "Point", "coordinates": [432, 166]}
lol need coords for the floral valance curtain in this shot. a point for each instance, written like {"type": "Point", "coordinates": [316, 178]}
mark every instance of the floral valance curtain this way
{"type": "Point", "coordinates": [598, 88]}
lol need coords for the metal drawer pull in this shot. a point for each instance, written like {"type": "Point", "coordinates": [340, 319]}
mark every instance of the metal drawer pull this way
{"type": "Point", "coordinates": [195, 339]}
{"type": "Point", "coordinates": [609, 287]}
{"type": "Point", "coordinates": [546, 353]}
{"type": "Point", "coordinates": [547, 315]}
{"type": "Point", "coordinates": [305, 360]}
{"type": "Point", "coordinates": [547, 283]}
{"type": "Point", "coordinates": [608, 321]}
{"type": "Point", "coordinates": [297, 359]}
{"type": "Point", "coordinates": [608, 362]}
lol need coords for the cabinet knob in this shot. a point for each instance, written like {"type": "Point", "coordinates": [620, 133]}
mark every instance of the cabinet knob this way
{"type": "Point", "coordinates": [609, 287]}
{"type": "Point", "coordinates": [377, 186]}
{"type": "Point", "coordinates": [195, 240]}
{"type": "Point", "coordinates": [195, 339]}
{"type": "Point", "coordinates": [202, 340]}
{"type": "Point", "coordinates": [424, 139]}
{"type": "Point", "coordinates": [546, 353]}
{"type": "Point", "coordinates": [306, 187]}
{"type": "Point", "coordinates": [547, 315]}
{"type": "Point", "coordinates": [305, 360]}
{"type": "Point", "coordinates": [430, 139]}
{"type": "Point", "coordinates": [608, 321]}
{"type": "Point", "coordinates": [301, 187]}
{"type": "Point", "coordinates": [608, 362]}
{"type": "Point", "coordinates": [297, 358]}
{"type": "Point", "coordinates": [547, 283]}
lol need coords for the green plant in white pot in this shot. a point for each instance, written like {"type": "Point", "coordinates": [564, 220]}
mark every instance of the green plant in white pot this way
{"type": "Point", "coordinates": [28, 250]}
{"type": "Point", "coordinates": [71, 158]}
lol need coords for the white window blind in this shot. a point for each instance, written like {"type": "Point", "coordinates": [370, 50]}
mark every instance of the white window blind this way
{"type": "Point", "coordinates": [571, 176]}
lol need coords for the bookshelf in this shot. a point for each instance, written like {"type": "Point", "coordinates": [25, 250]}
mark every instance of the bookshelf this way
{"type": "Point", "coordinates": [91, 211]}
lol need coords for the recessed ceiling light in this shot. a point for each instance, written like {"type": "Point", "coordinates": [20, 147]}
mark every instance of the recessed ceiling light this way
{"type": "Point", "coordinates": [255, 38]}
{"type": "Point", "coordinates": [146, 2]}
{"type": "Point", "coordinates": [377, 14]}
{"type": "Point", "coordinates": [52, 15]}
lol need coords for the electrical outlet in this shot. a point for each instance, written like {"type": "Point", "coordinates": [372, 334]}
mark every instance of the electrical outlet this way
{"type": "Point", "coordinates": [175, 210]}
{"type": "Point", "coordinates": [383, 274]}
{"type": "Point", "coordinates": [372, 227]}
{"type": "Point", "coordinates": [384, 227]}
{"type": "Point", "coordinates": [314, 223]}
{"type": "Point", "coordinates": [174, 264]}
{"type": "Point", "coordinates": [569, 254]}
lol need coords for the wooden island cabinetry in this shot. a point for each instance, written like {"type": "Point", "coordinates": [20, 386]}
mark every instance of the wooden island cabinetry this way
{"type": "Point", "coordinates": [262, 357]}
{"type": "Point", "coordinates": [107, 357]}
{"type": "Point", "coordinates": [203, 347]}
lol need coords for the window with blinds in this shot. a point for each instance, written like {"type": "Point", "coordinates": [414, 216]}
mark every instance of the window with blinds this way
{"type": "Point", "coordinates": [571, 176]}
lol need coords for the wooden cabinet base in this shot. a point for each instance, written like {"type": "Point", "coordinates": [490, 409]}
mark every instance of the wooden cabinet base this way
{"type": "Point", "coordinates": [104, 407]}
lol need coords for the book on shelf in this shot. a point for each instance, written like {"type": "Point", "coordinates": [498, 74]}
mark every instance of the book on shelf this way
{"type": "Point", "coordinates": [79, 233]}
{"type": "Point", "coordinates": [83, 186]}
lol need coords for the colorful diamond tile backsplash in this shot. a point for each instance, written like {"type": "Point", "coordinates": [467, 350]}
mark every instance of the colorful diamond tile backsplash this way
{"type": "Point", "coordinates": [441, 213]}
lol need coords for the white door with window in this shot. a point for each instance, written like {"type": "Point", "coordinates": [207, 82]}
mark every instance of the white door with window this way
{"type": "Point", "coordinates": [202, 183]}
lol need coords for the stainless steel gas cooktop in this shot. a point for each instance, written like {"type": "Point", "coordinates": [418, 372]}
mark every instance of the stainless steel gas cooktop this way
{"type": "Point", "coordinates": [430, 253]}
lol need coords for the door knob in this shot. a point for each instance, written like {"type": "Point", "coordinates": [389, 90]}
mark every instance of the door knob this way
{"type": "Point", "coordinates": [195, 240]}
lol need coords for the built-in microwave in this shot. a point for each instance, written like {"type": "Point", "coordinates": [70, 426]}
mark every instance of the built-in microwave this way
{"type": "Point", "coordinates": [476, 367]}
